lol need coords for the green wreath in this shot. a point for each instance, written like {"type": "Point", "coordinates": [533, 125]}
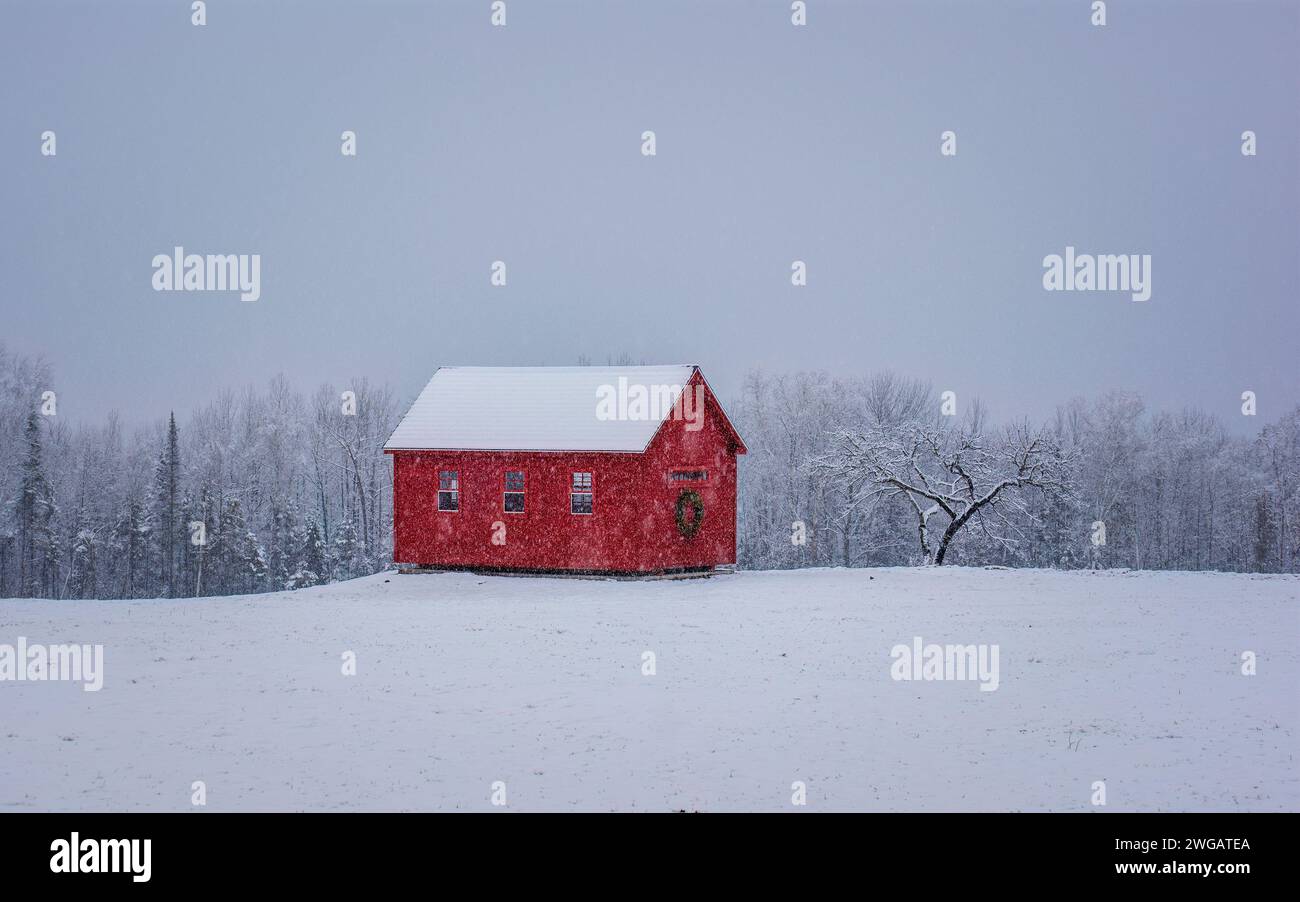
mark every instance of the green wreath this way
{"type": "Point", "coordinates": [689, 528]}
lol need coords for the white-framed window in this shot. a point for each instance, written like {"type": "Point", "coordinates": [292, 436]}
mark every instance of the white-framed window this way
{"type": "Point", "coordinates": [513, 502]}
{"type": "Point", "coordinates": [448, 490]}
{"type": "Point", "coordinates": [580, 494]}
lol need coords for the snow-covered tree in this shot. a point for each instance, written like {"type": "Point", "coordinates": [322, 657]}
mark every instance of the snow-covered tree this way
{"type": "Point", "coordinates": [83, 577]}
{"type": "Point", "coordinates": [348, 554]}
{"type": "Point", "coordinates": [313, 566]}
{"type": "Point", "coordinates": [91, 510]}
{"type": "Point", "coordinates": [129, 539]}
{"type": "Point", "coordinates": [952, 476]}
{"type": "Point", "coordinates": [168, 529]}
{"type": "Point", "coordinates": [35, 511]}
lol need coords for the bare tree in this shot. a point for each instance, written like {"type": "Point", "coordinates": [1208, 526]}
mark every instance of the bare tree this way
{"type": "Point", "coordinates": [955, 474]}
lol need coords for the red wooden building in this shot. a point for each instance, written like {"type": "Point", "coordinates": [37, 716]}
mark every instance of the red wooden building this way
{"type": "Point", "coordinates": [578, 469]}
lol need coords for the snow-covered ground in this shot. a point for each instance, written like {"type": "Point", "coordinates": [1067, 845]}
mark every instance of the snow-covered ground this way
{"type": "Point", "coordinates": [762, 680]}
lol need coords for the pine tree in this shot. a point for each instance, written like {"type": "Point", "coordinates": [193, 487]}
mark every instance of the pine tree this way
{"type": "Point", "coordinates": [129, 537]}
{"type": "Point", "coordinates": [282, 548]}
{"type": "Point", "coordinates": [237, 560]}
{"type": "Point", "coordinates": [83, 581]}
{"type": "Point", "coordinates": [315, 554]}
{"type": "Point", "coordinates": [253, 562]}
{"type": "Point", "coordinates": [349, 556]}
{"type": "Point", "coordinates": [167, 489]}
{"type": "Point", "coordinates": [160, 525]}
{"type": "Point", "coordinates": [1265, 534]}
{"type": "Point", "coordinates": [51, 562]}
{"type": "Point", "coordinates": [312, 569]}
{"type": "Point", "coordinates": [187, 552]}
{"type": "Point", "coordinates": [8, 545]}
{"type": "Point", "coordinates": [34, 511]}
{"type": "Point", "coordinates": [200, 565]}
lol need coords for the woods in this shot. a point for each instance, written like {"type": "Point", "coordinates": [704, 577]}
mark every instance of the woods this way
{"type": "Point", "coordinates": [875, 475]}
{"type": "Point", "coordinates": [257, 491]}
{"type": "Point", "coordinates": [262, 490]}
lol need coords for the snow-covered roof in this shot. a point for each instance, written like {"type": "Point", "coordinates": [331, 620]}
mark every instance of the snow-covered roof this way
{"type": "Point", "coordinates": [533, 408]}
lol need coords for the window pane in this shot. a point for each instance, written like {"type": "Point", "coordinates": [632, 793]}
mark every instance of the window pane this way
{"type": "Point", "coordinates": [447, 481]}
{"type": "Point", "coordinates": [580, 503]}
{"type": "Point", "coordinates": [449, 501]}
{"type": "Point", "coordinates": [514, 481]}
{"type": "Point", "coordinates": [582, 482]}
{"type": "Point", "coordinates": [514, 502]}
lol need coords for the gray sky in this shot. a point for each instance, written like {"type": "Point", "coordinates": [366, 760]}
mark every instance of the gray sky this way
{"type": "Point", "coordinates": [775, 143]}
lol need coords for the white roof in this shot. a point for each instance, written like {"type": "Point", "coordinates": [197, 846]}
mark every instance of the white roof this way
{"type": "Point", "coordinates": [532, 408]}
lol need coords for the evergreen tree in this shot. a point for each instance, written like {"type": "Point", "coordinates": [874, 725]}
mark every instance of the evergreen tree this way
{"type": "Point", "coordinates": [315, 553]}
{"type": "Point", "coordinates": [83, 580]}
{"type": "Point", "coordinates": [201, 527]}
{"type": "Point", "coordinates": [130, 534]}
{"type": "Point", "coordinates": [349, 555]}
{"type": "Point", "coordinates": [169, 528]}
{"type": "Point", "coordinates": [283, 547]}
{"type": "Point", "coordinates": [312, 568]}
{"type": "Point", "coordinates": [8, 546]}
{"type": "Point", "coordinates": [238, 565]}
{"type": "Point", "coordinates": [252, 560]}
{"type": "Point", "coordinates": [222, 565]}
{"type": "Point", "coordinates": [35, 509]}
{"type": "Point", "coordinates": [1265, 534]}
{"type": "Point", "coordinates": [50, 548]}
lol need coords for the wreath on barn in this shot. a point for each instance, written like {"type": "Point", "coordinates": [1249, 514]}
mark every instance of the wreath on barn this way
{"type": "Point", "coordinates": [690, 498]}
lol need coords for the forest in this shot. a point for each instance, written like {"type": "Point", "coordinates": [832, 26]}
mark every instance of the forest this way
{"type": "Point", "coordinates": [259, 490]}
{"type": "Point", "coordinates": [272, 488]}
{"type": "Point", "coordinates": [1105, 483]}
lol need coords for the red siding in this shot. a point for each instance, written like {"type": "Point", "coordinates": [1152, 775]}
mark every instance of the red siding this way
{"type": "Point", "coordinates": [632, 527]}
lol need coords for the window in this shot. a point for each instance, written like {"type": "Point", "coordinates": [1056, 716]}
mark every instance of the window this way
{"type": "Point", "coordinates": [690, 475]}
{"type": "Point", "coordinates": [580, 497]}
{"type": "Point", "coordinates": [514, 495]}
{"type": "Point", "coordinates": [448, 490]}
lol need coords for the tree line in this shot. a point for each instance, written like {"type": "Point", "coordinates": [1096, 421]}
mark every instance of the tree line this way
{"type": "Point", "coordinates": [870, 472]}
{"type": "Point", "coordinates": [257, 491]}
{"type": "Point", "coordinates": [271, 489]}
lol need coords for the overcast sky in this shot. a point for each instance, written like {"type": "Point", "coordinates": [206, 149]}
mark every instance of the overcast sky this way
{"type": "Point", "coordinates": [775, 143]}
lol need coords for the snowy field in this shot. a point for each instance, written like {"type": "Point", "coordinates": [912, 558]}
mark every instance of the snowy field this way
{"type": "Point", "coordinates": [762, 679]}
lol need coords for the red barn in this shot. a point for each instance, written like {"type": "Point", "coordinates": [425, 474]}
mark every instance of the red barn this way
{"type": "Point", "coordinates": [578, 469]}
